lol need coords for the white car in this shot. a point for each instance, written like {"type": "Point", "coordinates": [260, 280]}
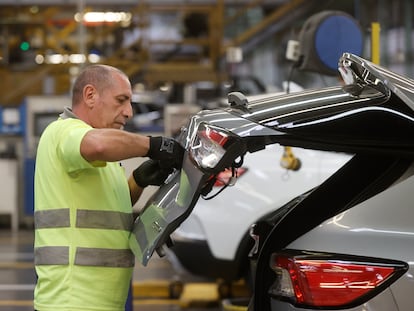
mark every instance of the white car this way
{"type": "Point", "coordinates": [214, 240]}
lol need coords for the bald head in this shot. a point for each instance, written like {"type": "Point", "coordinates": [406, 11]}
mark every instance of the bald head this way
{"type": "Point", "coordinates": [102, 97]}
{"type": "Point", "coordinates": [100, 76]}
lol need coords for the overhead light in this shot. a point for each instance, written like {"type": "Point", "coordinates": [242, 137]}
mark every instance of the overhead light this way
{"type": "Point", "coordinates": [94, 58]}
{"type": "Point", "coordinates": [103, 17]}
{"type": "Point", "coordinates": [66, 58]}
{"type": "Point", "coordinates": [77, 58]}
{"type": "Point", "coordinates": [56, 59]}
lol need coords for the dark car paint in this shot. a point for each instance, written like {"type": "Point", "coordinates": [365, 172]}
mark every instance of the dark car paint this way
{"type": "Point", "coordinates": [329, 119]}
{"type": "Point", "coordinates": [372, 115]}
{"type": "Point", "coordinates": [361, 178]}
{"type": "Point", "coordinates": [335, 120]}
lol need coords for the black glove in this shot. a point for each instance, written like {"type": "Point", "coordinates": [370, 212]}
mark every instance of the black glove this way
{"type": "Point", "coordinates": [150, 173]}
{"type": "Point", "coordinates": [168, 151]}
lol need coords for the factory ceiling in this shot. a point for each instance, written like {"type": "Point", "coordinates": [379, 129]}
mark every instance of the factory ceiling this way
{"type": "Point", "coordinates": [42, 40]}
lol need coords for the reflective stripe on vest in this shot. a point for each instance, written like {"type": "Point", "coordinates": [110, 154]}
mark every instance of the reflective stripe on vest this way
{"type": "Point", "coordinates": [98, 257]}
{"type": "Point", "coordinates": [51, 255]}
{"type": "Point", "coordinates": [104, 257]}
{"type": "Point", "coordinates": [104, 220]}
{"type": "Point", "coordinates": [90, 219]}
{"type": "Point", "coordinates": [53, 218]}
{"type": "Point", "coordinates": [58, 218]}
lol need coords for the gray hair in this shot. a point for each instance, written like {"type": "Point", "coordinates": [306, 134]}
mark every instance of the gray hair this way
{"type": "Point", "coordinates": [100, 76]}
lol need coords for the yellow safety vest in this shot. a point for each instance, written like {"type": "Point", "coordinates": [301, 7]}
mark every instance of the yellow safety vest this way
{"type": "Point", "coordinates": [83, 219]}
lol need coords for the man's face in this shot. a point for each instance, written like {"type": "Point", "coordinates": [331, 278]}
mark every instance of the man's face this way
{"type": "Point", "coordinates": [113, 106]}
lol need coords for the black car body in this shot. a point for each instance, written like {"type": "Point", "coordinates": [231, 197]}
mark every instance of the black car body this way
{"type": "Point", "coordinates": [371, 116]}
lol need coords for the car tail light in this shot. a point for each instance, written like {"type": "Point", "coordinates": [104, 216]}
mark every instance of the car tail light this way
{"type": "Point", "coordinates": [224, 177]}
{"type": "Point", "coordinates": [321, 280]}
{"type": "Point", "coordinates": [209, 146]}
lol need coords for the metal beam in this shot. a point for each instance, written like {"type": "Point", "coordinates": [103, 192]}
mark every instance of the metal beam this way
{"type": "Point", "coordinates": [288, 8]}
{"type": "Point", "coordinates": [65, 2]}
{"type": "Point", "coordinates": [131, 2]}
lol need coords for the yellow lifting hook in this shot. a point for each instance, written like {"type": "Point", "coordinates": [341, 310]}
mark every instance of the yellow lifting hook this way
{"type": "Point", "coordinates": [289, 161]}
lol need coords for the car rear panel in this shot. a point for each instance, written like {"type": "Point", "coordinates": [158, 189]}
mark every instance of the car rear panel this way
{"type": "Point", "coordinates": [361, 178]}
{"type": "Point", "coordinates": [380, 227]}
{"type": "Point", "coordinates": [383, 302]}
{"type": "Point", "coordinates": [373, 115]}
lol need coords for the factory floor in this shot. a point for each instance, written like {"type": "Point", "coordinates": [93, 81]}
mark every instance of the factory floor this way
{"type": "Point", "coordinates": [160, 286]}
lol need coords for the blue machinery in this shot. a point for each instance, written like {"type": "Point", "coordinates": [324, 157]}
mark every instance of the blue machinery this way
{"type": "Point", "coordinates": [39, 112]}
{"type": "Point", "coordinates": [12, 127]}
{"type": "Point", "coordinates": [20, 130]}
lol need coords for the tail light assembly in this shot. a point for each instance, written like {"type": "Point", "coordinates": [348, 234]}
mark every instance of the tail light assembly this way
{"type": "Point", "coordinates": [219, 153]}
{"type": "Point", "coordinates": [225, 177]}
{"type": "Point", "coordinates": [214, 149]}
{"type": "Point", "coordinates": [330, 281]}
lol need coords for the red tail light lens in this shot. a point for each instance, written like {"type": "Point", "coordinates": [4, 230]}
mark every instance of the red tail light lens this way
{"type": "Point", "coordinates": [208, 146]}
{"type": "Point", "coordinates": [329, 281]}
{"type": "Point", "coordinates": [219, 138]}
{"type": "Point", "coordinates": [223, 178]}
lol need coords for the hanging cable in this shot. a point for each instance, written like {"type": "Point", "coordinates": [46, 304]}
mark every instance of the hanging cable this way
{"type": "Point", "coordinates": [233, 175]}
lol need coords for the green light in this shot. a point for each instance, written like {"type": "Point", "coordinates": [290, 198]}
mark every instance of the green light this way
{"type": "Point", "coordinates": [24, 46]}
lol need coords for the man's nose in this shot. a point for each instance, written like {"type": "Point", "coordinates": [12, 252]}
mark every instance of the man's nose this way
{"type": "Point", "coordinates": [128, 112]}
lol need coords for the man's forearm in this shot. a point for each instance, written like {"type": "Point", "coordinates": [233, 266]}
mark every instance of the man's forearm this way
{"type": "Point", "coordinates": [113, 145]}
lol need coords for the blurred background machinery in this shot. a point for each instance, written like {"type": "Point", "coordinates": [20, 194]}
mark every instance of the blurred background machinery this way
{"type": "Point", "coordinates": [181, 56]}
{"type": "Point", "coordinates": [44, 43]}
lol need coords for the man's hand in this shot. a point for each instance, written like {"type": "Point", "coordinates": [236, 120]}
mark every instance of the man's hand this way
{"type": "Point", "coordinates": [151, 173]}
{"type": "Point", "coordinates": [168, 151]}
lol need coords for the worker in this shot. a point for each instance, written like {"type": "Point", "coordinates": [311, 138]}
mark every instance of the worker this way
{"type": "Point", "coordinates": [83, 199]}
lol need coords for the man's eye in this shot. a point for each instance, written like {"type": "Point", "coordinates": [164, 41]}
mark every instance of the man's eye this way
{"type": "Point", "coordinates": [122, 100]}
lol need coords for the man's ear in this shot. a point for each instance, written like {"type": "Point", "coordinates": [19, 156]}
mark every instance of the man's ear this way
{"type": "Point", "coordinates": [89, 95]}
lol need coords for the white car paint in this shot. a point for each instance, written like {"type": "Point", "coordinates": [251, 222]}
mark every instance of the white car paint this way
{"type": "Point", "coordinates": [225, 219]}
